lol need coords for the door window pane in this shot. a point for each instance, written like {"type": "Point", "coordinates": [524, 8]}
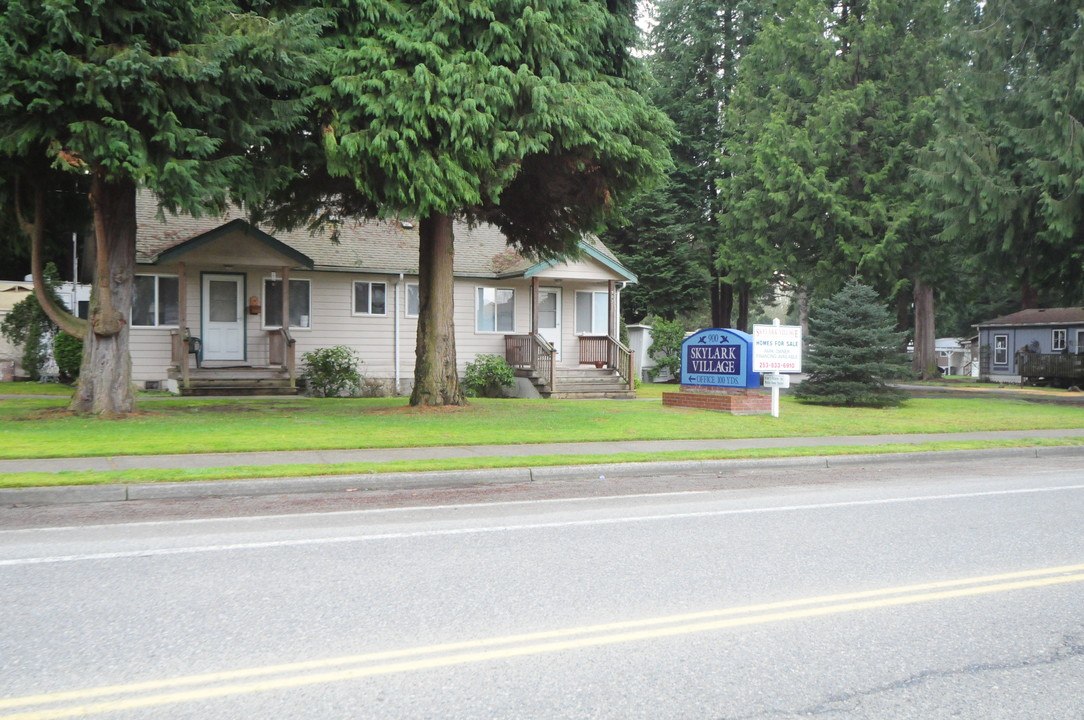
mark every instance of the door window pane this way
{"type": "Point", "coordinates": [547, 309]}
{"type": "Point", "coordinates": [223, 299]}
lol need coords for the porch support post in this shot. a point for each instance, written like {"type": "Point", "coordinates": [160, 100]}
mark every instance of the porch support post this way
{"type": "Point", "coordinates": [612, 321]}
{"type": "Point", "coordinates": [285, 298]}
{"type": "Point", "coordinates": [287, 341]}
{"type": "Point", "coordinates": [535, 286]}
{"type": "Point", "coordinates": [182, 322]}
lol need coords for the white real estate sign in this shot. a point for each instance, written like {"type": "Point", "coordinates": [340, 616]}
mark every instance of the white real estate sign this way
{"type": "Point", "coordinates": [777, 348]}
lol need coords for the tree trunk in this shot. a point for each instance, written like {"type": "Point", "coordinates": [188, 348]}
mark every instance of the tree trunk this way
{"type": "Point", "coordinates": [801, 299]}
{"type": "Point", "coordinates": [436, 380]}
{"type": "Point", "coordinates": [105, 379]}
{"type": "Point", "coordinates": [722, 303]}
{"type": "Point", "coordinates": [924, 363]}
{"type": "Point", "coordinates": [36, 230]}
{"type": "Point", "coordinates": [743, 309]}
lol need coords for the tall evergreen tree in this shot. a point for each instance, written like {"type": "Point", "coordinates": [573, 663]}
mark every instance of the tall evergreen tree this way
{"type": "Point", "coordinates": [524, 114]}
{"type": "Point", "coordinates": [673, 238]}
{"type": "Point", "coordinates": [1008, 162]}
{"type": "Point", "coordinates": [829, 117]}
{"type": "Point", "coordinates": [176, 97]}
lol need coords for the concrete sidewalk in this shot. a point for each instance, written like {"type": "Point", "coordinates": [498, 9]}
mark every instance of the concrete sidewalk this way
{"type": "Point", "coordinates": [268, 486]}
{"type": "Point", "coordinates": [329, 457]}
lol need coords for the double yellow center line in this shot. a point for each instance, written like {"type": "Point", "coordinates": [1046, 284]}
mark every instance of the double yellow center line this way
{"type": "Point", "coordinates": [114, 698]}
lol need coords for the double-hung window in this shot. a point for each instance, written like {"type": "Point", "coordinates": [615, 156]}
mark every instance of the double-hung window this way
{"type": "Point", "coordinates": [370, 298]}
{"type": "Point", "coordinates": [592, 313]}
{"type": "Point", "coordinates": [299, 303]}
{"type": "Point", "coordinates": [1001, 349]}
{"type": "Point", "coordinates": [1058, 340]}
{"type": "Point", "coordinates": [155, 302]}
{"type": "Point", "coordinates": [495, 310]}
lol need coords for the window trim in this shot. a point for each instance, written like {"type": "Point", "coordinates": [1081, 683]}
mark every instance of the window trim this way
{"type": "Point", "coordinates": [576, 314]}
{"type": "Point", "coordinates": [1004, 350]}
{"type": "Point", "coordinates": [1054, 345]}
{"type": "Point", "coordinates": [478, 309]}
{"type": "Point", "coordinates": [155, 311]}
{"type": "Point", "coordinates": [263, 307]}
{"type": "Point", "coordinates": [354, 298]}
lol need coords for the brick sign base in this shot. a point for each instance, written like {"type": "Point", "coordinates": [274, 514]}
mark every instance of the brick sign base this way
{"type": "Point", "coordinates": [736, 401]}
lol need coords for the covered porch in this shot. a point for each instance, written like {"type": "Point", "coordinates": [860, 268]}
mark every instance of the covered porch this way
{"type": "Point", "coordinates": [598, 365]}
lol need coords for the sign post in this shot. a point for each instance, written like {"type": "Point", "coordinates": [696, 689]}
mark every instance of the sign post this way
{"type": "Point", "coordinates": [777, 349]}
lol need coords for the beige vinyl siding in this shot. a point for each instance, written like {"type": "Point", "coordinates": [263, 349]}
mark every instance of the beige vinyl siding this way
{"type": "Point", "coordinates": [333, 322]}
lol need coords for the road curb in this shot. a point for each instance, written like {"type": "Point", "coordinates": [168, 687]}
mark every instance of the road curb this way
{"type": "Point", "coordinates": [75, 494]}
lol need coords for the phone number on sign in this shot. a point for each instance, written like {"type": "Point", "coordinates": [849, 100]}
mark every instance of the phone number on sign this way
{"type": "Point", "coordinates": [777, 366]}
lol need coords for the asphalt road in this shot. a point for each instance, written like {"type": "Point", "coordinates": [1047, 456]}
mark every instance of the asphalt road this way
{"type": "Point", "coordinates": [940, 589]}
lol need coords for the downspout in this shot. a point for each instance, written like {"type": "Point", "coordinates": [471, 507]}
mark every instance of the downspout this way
{"type": "Point", "coordinates": [398, 283]}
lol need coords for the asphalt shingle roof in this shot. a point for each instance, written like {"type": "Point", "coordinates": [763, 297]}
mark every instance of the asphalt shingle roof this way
{"type": "Point", "coordinates": [366, 245]}
{"type": "Point", "coordinates": [1045, 316]}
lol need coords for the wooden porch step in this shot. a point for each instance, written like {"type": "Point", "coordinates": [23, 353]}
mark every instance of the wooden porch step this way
{"type": "Point", "coordinates": [244, 380]}
{"type": "Point", "coordinates": [238, 390]}
{"type": "Point", "coordinates": [583, 383]}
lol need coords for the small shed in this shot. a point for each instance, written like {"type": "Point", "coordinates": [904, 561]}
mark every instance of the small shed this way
{"type": "Point", "coordinates": [1044, 344]}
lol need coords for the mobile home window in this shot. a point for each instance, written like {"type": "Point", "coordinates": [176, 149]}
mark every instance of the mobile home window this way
{"type": "Point", "coordinates": [496, 310]}
{"type": "Point", "coordinates": [155, 302]}
{"type": "Point", "coordinates": [370, 298]}
{"type": "Point", "coordinates": [1001, 349]}
{"type": "Point", "coordinates": [592, 313]}
{"type": "Point", "coordinates": [1058, 340]}
{"type": "Point", "coordinates": [299, 303]}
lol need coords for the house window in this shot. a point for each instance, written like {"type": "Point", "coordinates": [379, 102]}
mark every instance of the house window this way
{"type": "Point", "coordinates": [593, 313]}
{"type": "Point", "coordinates": [496, 310]}
{"type": "Point", "coordinates": [370, 298]}
{"type": "Point", "coordinates": [1001, 349]}
{"type": "Point", "coordinates": [299, 303]}
{"type": "Point", "coordinates": [156, 301]}
{"type": "Point", "coordinates": [1058, 340]}
{"type": "Point", "coordinates": [413, 300]}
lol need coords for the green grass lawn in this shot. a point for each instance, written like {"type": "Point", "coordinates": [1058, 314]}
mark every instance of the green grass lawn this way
{"type": "Point", "coordinates": [41, 428]}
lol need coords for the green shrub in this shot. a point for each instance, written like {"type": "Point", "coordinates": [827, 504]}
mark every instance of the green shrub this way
{"type": "Point", "coordinates": [665, 350]}
{"type": "Point", "coordinates": [331, 371]}
{"type": "Point", "coordinates": [487, 376]}
{"type": "Point", "coordinates": [68, 352]}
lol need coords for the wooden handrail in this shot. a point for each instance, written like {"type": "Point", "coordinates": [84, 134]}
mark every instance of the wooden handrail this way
{"type": "Point", "coordinates": [532, 352]}
{"type": "Point", "coordinates": [281, 351]}
{"type": "Point", "coordinates": [610, 351]}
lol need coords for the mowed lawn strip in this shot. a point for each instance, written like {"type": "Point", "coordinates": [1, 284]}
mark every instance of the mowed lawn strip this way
{"type": "Point", "coordinates": [40, 428]}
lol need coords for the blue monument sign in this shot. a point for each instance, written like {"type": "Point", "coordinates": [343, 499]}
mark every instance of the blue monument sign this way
{"type": "Point", "coordinates": [718, 359]}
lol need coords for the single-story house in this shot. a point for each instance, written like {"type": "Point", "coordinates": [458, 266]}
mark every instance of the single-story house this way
{"type": "Point", "coordinates": [1033, 344]}
{"type": "Point", "coordinates": [211, 294]}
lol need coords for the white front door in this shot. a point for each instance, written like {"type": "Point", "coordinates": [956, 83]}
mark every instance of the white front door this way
{"type": "Point", "coordinates": [223, 332]}
{"type": "Point", "coordinates": [549, 317]}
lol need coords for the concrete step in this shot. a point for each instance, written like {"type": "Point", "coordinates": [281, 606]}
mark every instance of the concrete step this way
{"type": "Point", "coordinates": [592, 395]}
{"type": "Point", "coordinates": [241, 390]}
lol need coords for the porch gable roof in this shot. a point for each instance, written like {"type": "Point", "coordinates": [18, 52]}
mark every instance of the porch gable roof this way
{"type": "Point", "coordinates": [234, 226]}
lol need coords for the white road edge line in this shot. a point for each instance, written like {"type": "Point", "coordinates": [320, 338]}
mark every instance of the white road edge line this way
{"type": "Point", "coordinates": [513, 528]}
